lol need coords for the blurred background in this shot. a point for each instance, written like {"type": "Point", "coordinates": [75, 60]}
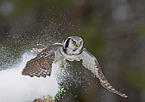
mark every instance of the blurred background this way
{"type": "Point", "coordinates": [113, 31]}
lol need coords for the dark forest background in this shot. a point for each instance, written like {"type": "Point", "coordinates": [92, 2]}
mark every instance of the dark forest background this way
{"type": "Point", "coordinates": [113, 31]}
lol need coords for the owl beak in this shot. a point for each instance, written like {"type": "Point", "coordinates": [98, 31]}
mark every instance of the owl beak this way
{"type": "Point", "coordinates": [78, 45]}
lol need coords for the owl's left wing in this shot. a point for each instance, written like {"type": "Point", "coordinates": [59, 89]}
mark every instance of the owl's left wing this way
{"type": "Point", "coordinates": [90, 62]}
{"type": "Point", "coordinates": [42, 63]}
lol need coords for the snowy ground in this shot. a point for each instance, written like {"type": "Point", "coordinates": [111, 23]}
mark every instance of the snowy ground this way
{"type": "Point", "coordinates": [17, 88]}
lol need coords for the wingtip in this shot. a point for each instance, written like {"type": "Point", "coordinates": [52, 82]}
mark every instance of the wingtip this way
{"type": "Point", "coordinates": [124, 95]}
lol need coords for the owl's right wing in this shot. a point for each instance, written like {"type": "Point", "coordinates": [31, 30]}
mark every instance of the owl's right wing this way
{"type": "Point", "coordinates": [90, 62]}
{"type": "Point", "coordinates": [41, 65]}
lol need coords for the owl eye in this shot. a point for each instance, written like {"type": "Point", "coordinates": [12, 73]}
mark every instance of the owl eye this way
{"type": "Point", "coordinates": [81, 43]}
{"type": "Point", "coordinates": [73, 42]}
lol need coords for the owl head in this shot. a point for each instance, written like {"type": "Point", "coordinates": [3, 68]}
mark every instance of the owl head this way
{"type": "Point", "coordinates": [73, 45]}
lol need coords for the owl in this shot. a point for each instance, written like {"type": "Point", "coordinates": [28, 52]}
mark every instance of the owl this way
{"type": "Point", "coordinates": [71, 49]}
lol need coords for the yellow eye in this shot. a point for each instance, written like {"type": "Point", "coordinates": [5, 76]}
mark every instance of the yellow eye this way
{"type": "Point", "coordinates": [73, 42]}
{"type": "Point", "coordinates": [81, 43]}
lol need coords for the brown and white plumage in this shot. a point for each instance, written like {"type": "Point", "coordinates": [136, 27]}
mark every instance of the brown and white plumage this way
{"type": "Point", "coordinates": [41, 65]}
{"type": "Point", "coordinates": [71, 49]}
{"type": "Point", "coordinates": [96, 70]}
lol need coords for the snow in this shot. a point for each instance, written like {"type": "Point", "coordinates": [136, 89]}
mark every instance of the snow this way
{"type": "Point", "coordinates": [14, 87]}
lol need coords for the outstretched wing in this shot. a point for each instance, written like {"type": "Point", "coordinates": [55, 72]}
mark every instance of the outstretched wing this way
{"type": "Point", "coordinates": [42, 64]}
{"type": "Point", "coordinates": [90, 62]}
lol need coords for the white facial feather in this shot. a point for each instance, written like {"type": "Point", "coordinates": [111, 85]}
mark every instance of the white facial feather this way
{"type": "Point", "coordinates": [73, 45]}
